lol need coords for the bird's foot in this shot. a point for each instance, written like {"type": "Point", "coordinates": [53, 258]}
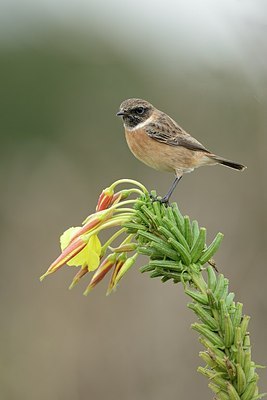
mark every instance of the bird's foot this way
{"type": "Point", "coordinates": [163, 200]}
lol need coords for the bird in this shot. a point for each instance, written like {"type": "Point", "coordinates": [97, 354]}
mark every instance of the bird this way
{"type": "Point", "coordinates": [158, 141]}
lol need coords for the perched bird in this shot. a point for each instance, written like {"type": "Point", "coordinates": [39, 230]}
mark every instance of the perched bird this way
{"type": "Point", "coordinates": [159, 142]}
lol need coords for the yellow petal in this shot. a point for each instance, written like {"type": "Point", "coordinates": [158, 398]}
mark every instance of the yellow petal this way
{"type": "Point", "coordinates": [80, 259]}
{"type": "Point", "coordinates": [89, 255]}
{"type": "Point", "coordinates": [95, 244]}
{"type": "Point", "coordinates": [66, 236]}
{"type": "Point", "coordinates": [93, 261]}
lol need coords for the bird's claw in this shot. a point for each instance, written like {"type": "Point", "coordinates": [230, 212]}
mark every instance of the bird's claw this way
{"type": "Point", "coordinates": [164, 200]}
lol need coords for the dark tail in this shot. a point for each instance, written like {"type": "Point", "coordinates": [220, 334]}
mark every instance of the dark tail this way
{"type": "Point", "coordinates": [228, 163]}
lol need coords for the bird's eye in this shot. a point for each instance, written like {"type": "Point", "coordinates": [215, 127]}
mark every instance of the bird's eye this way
{"type": "Point", "coordinates": [140, 110]}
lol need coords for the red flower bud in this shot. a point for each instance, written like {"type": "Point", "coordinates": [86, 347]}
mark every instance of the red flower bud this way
{"type": "Point", "coordinates": [67, 254]}
{"type": "Point", "coordinates": [105, 199]}
{"type": "Point", "coordinates": [91, 224]}
{"type": "Point", "coordinates": [101, 272]}
{"type": "Point", "coordinates": [78, 276]}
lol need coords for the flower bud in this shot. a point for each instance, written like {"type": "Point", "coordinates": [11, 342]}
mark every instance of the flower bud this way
{"type": "Point", "coordinates": [78, 276]}
{"type": "Point", "coordinates": [105, 199]}
{"type": "Point", "coordinates": [233, 395]}
{"type": "Point", "coordinates": [101, 271]}
{"type": "Point", "coordinates": [240, 378]}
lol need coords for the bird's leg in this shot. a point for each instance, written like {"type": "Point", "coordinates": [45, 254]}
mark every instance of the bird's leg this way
{"type": "Point", "coordinates": [167, 196]}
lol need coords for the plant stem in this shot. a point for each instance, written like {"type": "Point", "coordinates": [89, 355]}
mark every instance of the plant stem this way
{"type": "Point", "coordinates": [178, 251]}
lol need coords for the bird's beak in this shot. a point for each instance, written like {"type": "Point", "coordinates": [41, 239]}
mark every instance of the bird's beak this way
{"type": "Point", "coordinates": [121, 113]}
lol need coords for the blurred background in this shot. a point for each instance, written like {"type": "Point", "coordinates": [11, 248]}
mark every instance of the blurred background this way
{"type": "Point", "coordinates": [65, 67]}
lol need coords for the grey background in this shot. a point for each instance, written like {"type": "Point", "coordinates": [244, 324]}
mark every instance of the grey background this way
{"type": "Point", "coordinates": [65, 68]}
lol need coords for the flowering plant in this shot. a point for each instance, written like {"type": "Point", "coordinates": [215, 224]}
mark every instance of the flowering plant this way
{"type": "Point", "coordinates": [81, 246]}
{"type": "Point", "coordinates": [177, 251]}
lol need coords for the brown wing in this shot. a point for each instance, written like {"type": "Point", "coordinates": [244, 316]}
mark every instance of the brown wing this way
{"type": "Point", "coordinates": [165, 130]}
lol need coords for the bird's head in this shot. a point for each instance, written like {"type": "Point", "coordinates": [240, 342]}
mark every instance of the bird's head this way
{"type": "Point", "coordinates": [135, 112]}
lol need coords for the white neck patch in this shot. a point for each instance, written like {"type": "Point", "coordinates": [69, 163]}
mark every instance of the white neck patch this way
{"type": "Point", "coordinates": [140, 125]}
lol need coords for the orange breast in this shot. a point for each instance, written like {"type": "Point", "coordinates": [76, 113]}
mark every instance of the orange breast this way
{"type": "Point", "coordinates": [147, 150]}
{"type": "Point", "coordinates": [161, 156]}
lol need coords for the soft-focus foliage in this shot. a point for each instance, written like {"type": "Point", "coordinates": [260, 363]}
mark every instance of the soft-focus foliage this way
{"type": "Point", "coordinates": [62, 80]}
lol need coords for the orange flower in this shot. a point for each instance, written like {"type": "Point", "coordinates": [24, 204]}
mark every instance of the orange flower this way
{"type": "Point", "coordinates": [81, 246]}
